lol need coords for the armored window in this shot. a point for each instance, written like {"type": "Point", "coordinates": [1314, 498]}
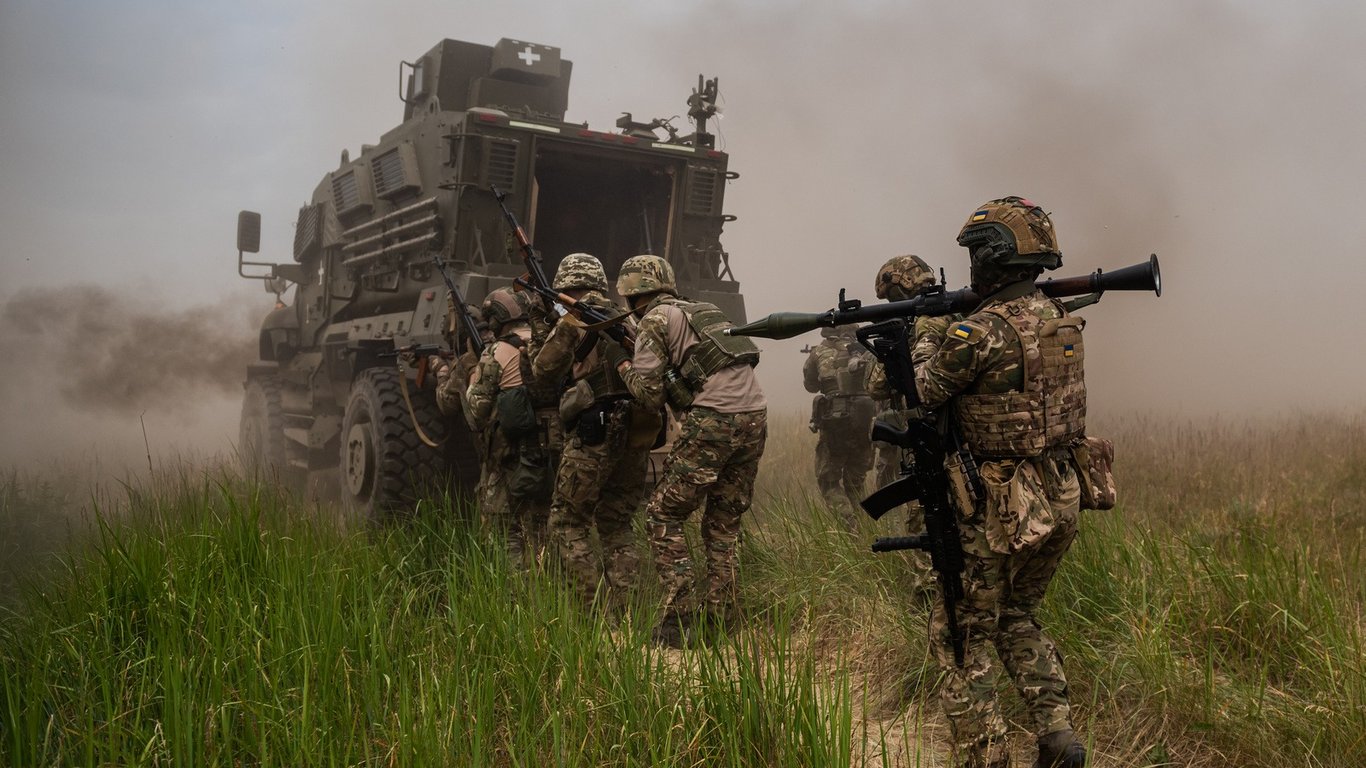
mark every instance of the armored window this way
{"type": "Point", "coordinates": [350, 192]}
{"type": "Point", "coordinates": [500, 164]}
{"type": "Point", "coordinates": [307, 232]}
{"type": "Point", "coordinates": [702, 190]}
{"type": "Point", "coordinates": [395, 171]}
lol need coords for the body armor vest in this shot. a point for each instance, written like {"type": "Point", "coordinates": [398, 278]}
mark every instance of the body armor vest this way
{"type": "Point", "coordinates": [714, 350]}
{"type": "Point", "coordinates": [1050, 412]}
{"type": "Point", "coordinates": [590, 364]}
{"type": "Point", "coordinates": [602, 378]}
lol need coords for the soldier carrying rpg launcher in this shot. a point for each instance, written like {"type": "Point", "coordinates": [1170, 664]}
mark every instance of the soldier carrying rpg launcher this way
{"type": "Point", "coordinates": [1001, 462]}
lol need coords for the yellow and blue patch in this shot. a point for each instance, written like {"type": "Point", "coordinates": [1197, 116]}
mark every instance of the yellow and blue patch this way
{"type": "Point", "coordinates": [1067, 350]}
{"type": "Point", "coordinates": [979, 216]}
{"type": "Point", "coordinates": [962, 331]}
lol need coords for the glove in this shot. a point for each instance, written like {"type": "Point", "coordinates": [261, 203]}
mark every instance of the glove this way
{"type": "Point", "coordinates": [615, 354]}
{"type": "Point", "coordinates": [439, 368]}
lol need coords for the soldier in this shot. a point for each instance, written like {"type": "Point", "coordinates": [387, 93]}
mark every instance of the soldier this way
{"type": "Point", "coordinates": [707, 378]}
{"type": "Point", "coordinates": [1010, 376]}
{"type": "Point", "coordinates": [601, 477]}
{"type": "Point", "coordinates": [506, 405]}
{"type": "Point", "coordinates": [900, 278]}
{"type": "Point", "coordinates": [841, 415]}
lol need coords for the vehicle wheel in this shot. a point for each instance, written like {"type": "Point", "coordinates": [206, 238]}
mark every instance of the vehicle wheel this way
{"type": "Point", "coordinates": [385, 467]}
{"type": "Point", "coordinates": [261, 434]}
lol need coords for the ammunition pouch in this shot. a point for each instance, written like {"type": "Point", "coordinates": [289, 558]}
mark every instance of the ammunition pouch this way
{"type": "Point", "coordinates": [843, 412]}
{"type": "Point", "coordinates": [516, 413]}
{"type": "Point", "coordinates": [645, 430]}
{"type": "Point", "coordinates": [1094, 458]}
{"type": "Point", "coordinates": [820, 408]}
{"type": "Point", "coordinates": [595, 423]}
{"type": "Point", "coordinates": [530, 475]}
{"type": "Point", "coordinates": [677, 391]}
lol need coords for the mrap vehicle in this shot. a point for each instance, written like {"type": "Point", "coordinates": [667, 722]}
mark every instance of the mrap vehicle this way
{"type": "Point", "coordinates": [325, 403]}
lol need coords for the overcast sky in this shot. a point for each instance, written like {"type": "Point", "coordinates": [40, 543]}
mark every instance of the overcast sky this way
{"type": "Point", "coordinates": [1224, 136]}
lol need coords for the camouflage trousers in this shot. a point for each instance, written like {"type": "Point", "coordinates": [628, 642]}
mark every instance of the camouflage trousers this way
{"type": "Point", "coordinates": [714, 460]}
{"type": "Point", "coordinates": [597, 491]}
{"type": "Point", "coordinates": [521, 519]}
{"type": "Point", "coordinates": [1012, 545]}
{"type": "Point", "coordinates": [843, 459]}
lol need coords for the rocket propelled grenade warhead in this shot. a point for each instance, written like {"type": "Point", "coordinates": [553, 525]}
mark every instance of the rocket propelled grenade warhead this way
{"type": "Point", "coordinates": [784, 325]}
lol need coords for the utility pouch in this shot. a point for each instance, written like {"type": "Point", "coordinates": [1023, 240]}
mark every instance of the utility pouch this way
{"type": "Point", "coordinates": [820, 409]}
{"type": "Point", "coordinates": [1094, 458]}
{"type": "Point", "coordinates": [530, 475]}
{"type": "Point", "coordinates": [646, 428]}
{"type": "Point", "coordinates": [516, 413]}
{"type": "Point", "coordinates": [592, 426]}
{"type": "Point", "coordinates": [574, 402]}
{"type": "Point", "coordinates": [676, 389]}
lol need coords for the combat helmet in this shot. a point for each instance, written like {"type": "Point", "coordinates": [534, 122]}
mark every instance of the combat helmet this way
{"type": "Point", "coordinates": [1011, 232]}
{"type": "Point", "coordinates": [645, 274]}
{"type": "Point", "coordinates": [910, 273]}
{"type": "Point", "coordinates": [580, 270]}
{"type": "Point", "coordinates": [503, 306]}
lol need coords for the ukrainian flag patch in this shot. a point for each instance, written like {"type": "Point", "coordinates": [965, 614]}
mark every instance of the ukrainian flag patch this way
{"type": "Point", "coordinates": [963, 331]}
{"type": "Point", "coordinates": [1067, 350]}
{"type": "Point", "coordinates": [979, 216]}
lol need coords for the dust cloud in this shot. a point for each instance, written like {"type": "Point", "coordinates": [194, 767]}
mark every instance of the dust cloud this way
{"type": "Point", "coordinates": [1224, 136]}
{"type": "Point", "coordinates": [89, 367]}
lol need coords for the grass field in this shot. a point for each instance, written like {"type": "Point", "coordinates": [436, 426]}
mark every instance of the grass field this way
{"type": "Point", "coordinates": [1214, 619]}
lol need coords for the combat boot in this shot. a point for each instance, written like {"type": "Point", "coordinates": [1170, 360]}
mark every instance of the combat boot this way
{"type": "Point", "coordinates": [1061, 749]}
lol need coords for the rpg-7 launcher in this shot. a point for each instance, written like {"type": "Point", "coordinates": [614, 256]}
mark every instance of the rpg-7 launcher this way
{"type": "Point", "coordinates": [1143, 276]}
{"type": "Point", "coordinates": [932, 441]}
{"type": "Point", "coordinates": [594, 318]}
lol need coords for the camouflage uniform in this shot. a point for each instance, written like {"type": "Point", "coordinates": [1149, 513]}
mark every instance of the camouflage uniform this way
{"type": "Point", "coordinates": [1011, 376]}
{"type": "Point", "coordinates": [841, 415]}
{"type": "Point", "coordinates": [518, 469]}
{"type": "Point", "coordinates": [901, 278]}
{"type": "Point", "coordinates": [722, 431]}
{"type": "Point", "coordinates": [601, 477]}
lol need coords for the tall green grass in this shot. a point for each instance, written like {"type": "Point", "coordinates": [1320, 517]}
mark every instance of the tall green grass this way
{"type": "Point", "coordinates": [1214, 619]}
{"type": "Point", "coordinates": [222, 628]}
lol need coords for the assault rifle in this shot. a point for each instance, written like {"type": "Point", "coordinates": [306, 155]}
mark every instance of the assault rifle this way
{"type": "Point", "coordinates": [462, 309]}
{"type": "Point", "coordinates": [594, 318]}
{"type": "Point", "coordinates": [419, 355]}
{"type": "Point", "coordinates": [931, 441]}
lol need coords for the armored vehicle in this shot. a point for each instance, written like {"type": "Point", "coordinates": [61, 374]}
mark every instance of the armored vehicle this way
{"type": "Point", "coordinates": [325, 403]}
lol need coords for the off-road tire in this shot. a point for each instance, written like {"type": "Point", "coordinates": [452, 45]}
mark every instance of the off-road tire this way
{"type": "Point", "coordinates": [385, 467]}
{"type": "Point", "coordinates": [261, 441]}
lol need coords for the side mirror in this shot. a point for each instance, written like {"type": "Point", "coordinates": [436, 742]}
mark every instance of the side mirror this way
{"type": "Point", "coordinates": [248, 231]}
